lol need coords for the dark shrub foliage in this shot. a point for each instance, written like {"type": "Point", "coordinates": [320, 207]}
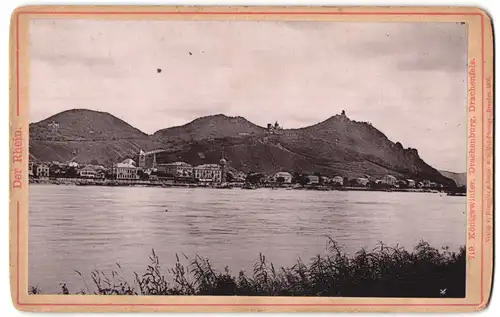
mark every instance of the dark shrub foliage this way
{"type": "Point", "coordinates": [383, 272]}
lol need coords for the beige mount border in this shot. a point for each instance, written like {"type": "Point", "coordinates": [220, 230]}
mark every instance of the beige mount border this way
{"type": "Point", "coordinates": [480, 158]}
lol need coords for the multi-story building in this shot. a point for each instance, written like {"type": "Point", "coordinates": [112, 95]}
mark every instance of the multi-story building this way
{"type": "Point", "coordinates": [389, 180]}
{"type": "Point", "coordinates": [339, 180]}
{"type": "Point", "coordinates": [31, 169]}
{"type": "Point", "coordinates": [92, 171]}
{"type": "Point", "coordinates": [73, 164]}
{"type": "Point", "coordinates": [411, 183]}
{"type": "Point", "coordinates": [362, 181]}
{"type": "Point", "coordinates": [42, 170]}
{"type": "Point", "coordinates": [125, 170]}
{"type": "Point", "coordinates": [313, 179]}
{"type": "Point", "coordinates": [176, 169]}
{"type": "Point", "coordinates": [287, 177]}
{"type": "Point", "coordinates": [426, 183]}
{"type": "Point", "coordinates": [88, 172]}
{"type": "Point", "coordinates": [208, 173]}
{"type": "Point", "coordinates": [240, 177]}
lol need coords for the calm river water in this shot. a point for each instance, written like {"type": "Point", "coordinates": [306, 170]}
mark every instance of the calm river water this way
{"type": "Point", "coordinates": [85, 228]}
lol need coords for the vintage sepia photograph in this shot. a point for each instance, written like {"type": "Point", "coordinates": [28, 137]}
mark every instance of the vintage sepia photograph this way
{"type": "Point", "coordinates": [247, 158]}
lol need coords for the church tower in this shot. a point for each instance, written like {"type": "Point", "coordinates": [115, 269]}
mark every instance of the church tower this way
{"type": "Point", "coordinates": [142, 159]}
{"type": "Point", "coordinates": [154, 161]}
{"type": "Point", "coordinates": [223, 163]}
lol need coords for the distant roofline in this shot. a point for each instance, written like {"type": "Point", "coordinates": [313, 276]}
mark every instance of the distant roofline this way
{"type": "Point", "coordinates": [125, 165]}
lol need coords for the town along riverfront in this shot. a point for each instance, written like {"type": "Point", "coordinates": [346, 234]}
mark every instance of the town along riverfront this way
{"type": "Point", "coordinates": [87, 228]}
{"type": "Point", "coordinates": [236, 185]}
{"type": "Point", "coordinates": [182, 174]}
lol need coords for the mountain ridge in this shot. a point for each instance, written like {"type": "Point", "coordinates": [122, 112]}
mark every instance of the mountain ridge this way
{"type": "Point", "coordinates": [215, 126]}
{"type": "Point", "coordinates": [73, 127]}
{"type": "Point", "coordinates": [336, 145]}
{"type": "Point", "coordinates": [459, 178]}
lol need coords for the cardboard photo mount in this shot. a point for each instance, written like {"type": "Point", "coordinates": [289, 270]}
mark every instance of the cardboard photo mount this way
{"type": "Point", "coordinates": [479, 160]}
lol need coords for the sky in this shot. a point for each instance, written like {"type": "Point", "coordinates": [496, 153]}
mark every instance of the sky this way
{"type": "Point", "coordinates": [408, 79]}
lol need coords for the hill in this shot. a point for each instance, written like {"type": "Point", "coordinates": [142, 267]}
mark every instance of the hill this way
{"type": "Point", "coordinates": [358, 146]}
{"type": "Point", "coordinates": [459, 178]}
{"type": "Point", "coordinates": [336, 146]}
{"type": "Point", "coordinates": [82, 124]}
{"type": "Point", "coordinates": [209, 127]}
{"type": "Point", "coordinates": [84, 135]}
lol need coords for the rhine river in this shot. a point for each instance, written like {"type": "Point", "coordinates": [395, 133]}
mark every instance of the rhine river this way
{"type": "Point", "coordinates": [85, 227]}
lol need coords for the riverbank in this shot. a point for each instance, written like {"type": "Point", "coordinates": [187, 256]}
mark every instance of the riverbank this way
{"type": "Point", "coordinates": [169, 184]}
{"type": "Point", "coordinates": [383, 272]}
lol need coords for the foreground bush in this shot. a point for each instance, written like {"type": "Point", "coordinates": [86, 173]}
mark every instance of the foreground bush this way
{"type": "Point", "coordinates": [384, 272]}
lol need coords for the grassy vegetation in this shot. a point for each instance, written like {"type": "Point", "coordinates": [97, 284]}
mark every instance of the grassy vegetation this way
{"type": "Point", "coordinates": [383, 272]}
